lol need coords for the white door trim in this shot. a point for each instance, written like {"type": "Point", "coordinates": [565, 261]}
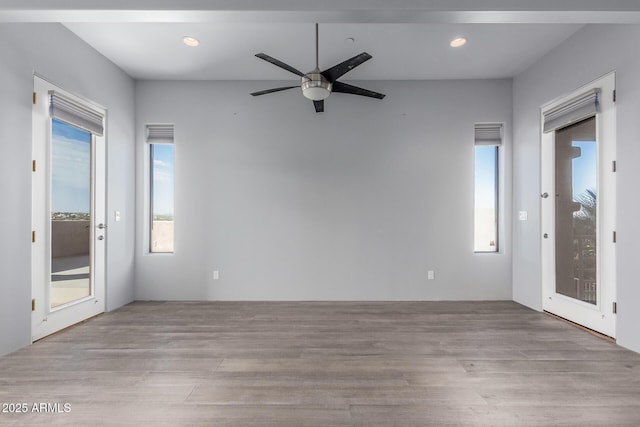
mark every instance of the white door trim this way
{"type": "Point", "coordinates": [600, 316]}
{"type": "Point", "coordinates": [46, 320]}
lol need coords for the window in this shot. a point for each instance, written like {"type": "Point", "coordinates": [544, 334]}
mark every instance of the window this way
{"type": "Point", "coordinates": [161, 189]}
{"type": "Point", "coordinates": [70, 206]}
{"type": "Point", "coordinates": [488, 138]}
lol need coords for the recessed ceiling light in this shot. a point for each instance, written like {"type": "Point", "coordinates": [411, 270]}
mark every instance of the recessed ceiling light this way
{"type": "Point", "coordinates": [190, 41]}
{"type": "Point", "coordinates": [350, 40]}
{"type": "Point", "coordinates": [460, 41]}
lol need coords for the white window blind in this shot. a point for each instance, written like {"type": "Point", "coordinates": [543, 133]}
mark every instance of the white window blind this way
{"type": "Point", "coordinates": [572, 111]}
{"type": "Point", "coordinates": [75, 113]}
{"type": "Point", "coordinates": [159, 133]}
{"type": "Point", "coordinates": [488, 134]}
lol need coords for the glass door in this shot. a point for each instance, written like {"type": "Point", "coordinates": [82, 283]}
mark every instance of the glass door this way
{"type": "Point", "coordinates": [68, 214]}
{"type": "Point", "coordinates": [578, 212]}
{"type": "Point", "coordinates": [70, 207]}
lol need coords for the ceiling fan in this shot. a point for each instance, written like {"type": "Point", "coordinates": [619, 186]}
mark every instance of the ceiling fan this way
{"type": "Point", "coordinates": [317, 85]}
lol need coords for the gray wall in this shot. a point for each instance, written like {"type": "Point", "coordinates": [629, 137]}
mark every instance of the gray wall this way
{"type": "Point", "coordinates": [353, 204]}
{"type": "Point", "coordinates": [589, 54]}
{"type": "Point", "coordinates": [56, 54]}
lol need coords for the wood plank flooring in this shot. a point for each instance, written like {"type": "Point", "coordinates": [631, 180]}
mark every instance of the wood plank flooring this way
{"type": "Point", "coordinates": [323, 364]}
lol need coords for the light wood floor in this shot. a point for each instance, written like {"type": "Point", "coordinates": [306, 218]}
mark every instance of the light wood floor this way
{"type": "Point", "coordinates": [334, 364]}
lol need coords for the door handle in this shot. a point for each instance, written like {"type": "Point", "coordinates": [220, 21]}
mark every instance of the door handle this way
{"type": "Point", "coordinates": [100, 237]}
{"type": "Point", "coordinates": [545, 235]}
{"type": "Point", "coordinates": [102, 226]}
{"type": "Point", "coordinates": [544, 195]}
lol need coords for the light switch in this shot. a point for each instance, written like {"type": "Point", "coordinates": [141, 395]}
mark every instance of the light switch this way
{"type": "Point", "coordinates": [523, 216]}
{"type": "Point", "coordinates": [116, 216]}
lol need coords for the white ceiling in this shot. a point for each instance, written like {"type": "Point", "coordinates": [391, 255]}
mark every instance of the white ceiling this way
{"type": "Point", "coordinates": [400, 51]}
{"type": "Point", "coordinates": [407, 38]}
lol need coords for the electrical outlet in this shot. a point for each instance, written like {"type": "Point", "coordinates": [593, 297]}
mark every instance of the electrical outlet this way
{"type": "Point", "coordinates": [216, 275]}
{"type": "Point", "coordinates": [431, 275]}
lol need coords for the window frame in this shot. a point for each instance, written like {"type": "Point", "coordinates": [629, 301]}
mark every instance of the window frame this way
{"type": "Point", "coordinates": [153, 140]}
{"type": "Point", "coordinates": [498, 145]}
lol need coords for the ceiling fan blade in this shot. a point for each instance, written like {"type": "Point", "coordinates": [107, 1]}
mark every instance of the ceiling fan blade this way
{"type": "Point", "coordinates": [332, 74]}
{"type": "Point", "coordinates": [275, 89]}
{"type": "Point", "coordinates": [319, 106]}
{"type": "Point", "coordinates": [280, 64]}
{"type": "Point", "coordinates": [354, 90]}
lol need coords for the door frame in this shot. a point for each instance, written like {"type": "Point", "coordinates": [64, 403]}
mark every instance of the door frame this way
{"type": "Point", "coordinates": [601, 316]}
{"type": "Point", "coordinates": [46, 320]}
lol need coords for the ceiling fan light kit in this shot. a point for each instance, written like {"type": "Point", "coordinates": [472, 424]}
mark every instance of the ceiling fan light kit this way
{"type": "Point", "coordinates": [317, 85]}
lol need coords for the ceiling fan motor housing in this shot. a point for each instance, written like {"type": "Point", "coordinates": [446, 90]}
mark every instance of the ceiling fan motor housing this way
{"type": "Point", "coordinates": [315, 86]}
